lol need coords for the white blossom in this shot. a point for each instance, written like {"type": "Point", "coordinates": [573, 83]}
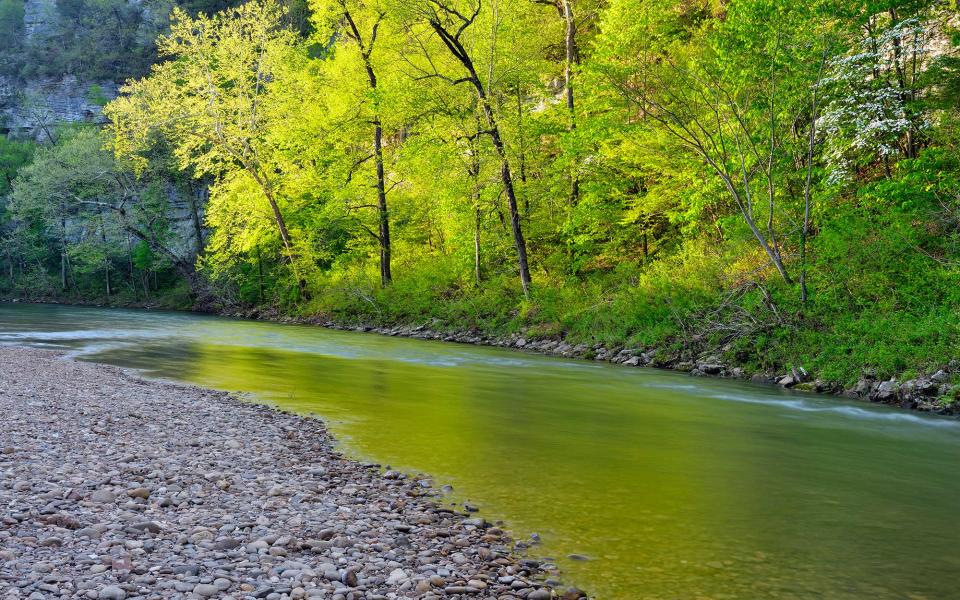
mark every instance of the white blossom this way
{"type": "Point", "coordinates": [866, 116]}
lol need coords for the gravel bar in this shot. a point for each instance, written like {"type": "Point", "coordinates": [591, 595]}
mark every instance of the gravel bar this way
{"type": "Point", "coordinates": [114, 487]}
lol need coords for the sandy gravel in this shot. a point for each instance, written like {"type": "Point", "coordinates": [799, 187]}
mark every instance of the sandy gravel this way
{"type": "Point", "coordinates": [113, 487]}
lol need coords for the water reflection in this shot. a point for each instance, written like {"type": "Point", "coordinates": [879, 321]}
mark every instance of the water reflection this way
{"type": "Point", "coordinates": [674, 487]}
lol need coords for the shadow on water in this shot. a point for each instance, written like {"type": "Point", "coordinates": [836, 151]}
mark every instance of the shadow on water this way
{"type": "Point", "coordinates": [673, 487]}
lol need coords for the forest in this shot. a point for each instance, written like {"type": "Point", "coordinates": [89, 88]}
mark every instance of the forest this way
{"type": "Point", "coordinates": [777, 183]}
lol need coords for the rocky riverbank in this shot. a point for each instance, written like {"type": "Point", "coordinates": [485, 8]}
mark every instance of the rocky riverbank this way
{"type": "Point", "coordinates": [113, 487]}
{"type": "Point", "coordinates": [936, 392]}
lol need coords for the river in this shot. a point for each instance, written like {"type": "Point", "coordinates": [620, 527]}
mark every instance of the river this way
{"type": "Point", "coordinates": [670, 486]}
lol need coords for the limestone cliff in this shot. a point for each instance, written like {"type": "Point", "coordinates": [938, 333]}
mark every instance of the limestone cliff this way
{"type": "Point", "coordinates": [31, 105]}
{"type": "Point", "coordinates": [36, 97]}
{"type": "Point", "coordinates": [30, 109]}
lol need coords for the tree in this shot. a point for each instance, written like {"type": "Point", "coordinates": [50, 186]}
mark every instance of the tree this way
{"type": "Point", "coordinates": [449, 23]}
{"type": "Point", "coordinates": [875, 90]}
{"type": "Point", "coordinates": [361, 25]}
{"type": "Point", "coordinates": [730, 98]}
{"type": "Point", "coordinates": [11, 18]}
{"type": "Point", "coordinates": [571, 60]}
{"type": "Point", "coordinates": [87, 202]}
{"type": "Point", "coordinates": [14, 156]}
{"type": "Point", "coordinates": [214, 101]}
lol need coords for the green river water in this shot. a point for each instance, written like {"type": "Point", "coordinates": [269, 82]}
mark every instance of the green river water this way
{"type": "Point", "coordinates": [672, 486]}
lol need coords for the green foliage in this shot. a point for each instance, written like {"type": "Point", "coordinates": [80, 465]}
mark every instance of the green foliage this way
{"type": "Point", "coordinates": [676, 176]}
{"type": "Point", "coordinates": [11, 19]}
{"type": "Point", "coordinates": [143, 257]}
{"type": "Point", "coordinates": [97, 96]}
{"type": "Point", "coordinates": [14, 155]}
{"type": "Point", "coordinates": [81, 219]}
{"type": "Point", "coordinates": [100, 39]}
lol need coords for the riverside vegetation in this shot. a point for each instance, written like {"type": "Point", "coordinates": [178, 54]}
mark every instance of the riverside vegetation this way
{"type": "Point", "coordinates": [741, 186]}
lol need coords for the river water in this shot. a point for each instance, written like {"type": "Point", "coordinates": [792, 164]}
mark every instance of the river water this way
{"type": "Point", "coordinates": [671, 486]}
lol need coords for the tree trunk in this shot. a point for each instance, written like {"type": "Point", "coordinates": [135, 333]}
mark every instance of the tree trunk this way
{"type": "Point", "coordinates": [267, 188]}
{"type": "Point", "coordinates": [133, 279]}
{"type": "Point", "coordinates": [476, 244]}
{"type": "Point", "coordinates": [456, 48]}
{"type": "Point", "coordinates": [106, 254]}
{"type": "Point", "coordinates": [383, 215]}
{"type": "Point", "coordinates": [260, 275]}
{"type": "Point", "coordinates": [195, 216]}
{"type": "Point", "coordinates": [106, 276]}
{"type": "Point", "coordinates": [63, 270]}
{"type": "Point", "coordinates": [772, 253]}
{"type": "Point", "coordinates": [281, 225]}
{"type": "Point", "coordinates": [507, 178]}
{"type": "Point", "coordinates": [63, 248]}
{"type": "Point", "coordinates": [571, 60]}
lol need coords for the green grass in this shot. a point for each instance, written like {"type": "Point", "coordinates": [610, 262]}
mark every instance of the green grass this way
{"type": "Point", "coordinates": [878, 303]}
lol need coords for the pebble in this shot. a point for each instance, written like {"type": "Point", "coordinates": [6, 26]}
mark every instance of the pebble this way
{"type": "Point", "coordinates": [397, 576]}
{"type": "Point", "coordinates": [206, 590]}
{"type": "Point", "coordinates": [112, 592]}
{"type": "Point", "coordinates": [103, 496]}
{"type": "Point", "coordinates": [143, 493]}
{"type": "Point", "coordinates": [156, 490]}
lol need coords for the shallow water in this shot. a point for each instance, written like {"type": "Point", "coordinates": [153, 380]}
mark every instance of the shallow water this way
{"type": "Point", "coordinates": [674, 487]}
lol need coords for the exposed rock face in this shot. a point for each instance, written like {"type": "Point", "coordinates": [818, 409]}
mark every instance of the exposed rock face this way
{"type": "Point", "coordinates": [31, 109]}
{"type": "Point", "coordinates": [38, 16]}
{"type": "Point", "coordinates": [186, 214]}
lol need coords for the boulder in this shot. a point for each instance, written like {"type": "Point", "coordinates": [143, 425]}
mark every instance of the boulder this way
{"type": "Point", "coordinates": [863, 387]}
{"type": "Point", "coordinates": [885, 391]}
{"type": "Point", "coordinates": [787, 381]}
{"type": "Point", "coordinates": [711, 368]}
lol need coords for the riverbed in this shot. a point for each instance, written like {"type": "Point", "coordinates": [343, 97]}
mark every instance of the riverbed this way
{"type": "Point", "coordinates": [115, 487]}
{"type": "Point", "coordinates": [640, 483]}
